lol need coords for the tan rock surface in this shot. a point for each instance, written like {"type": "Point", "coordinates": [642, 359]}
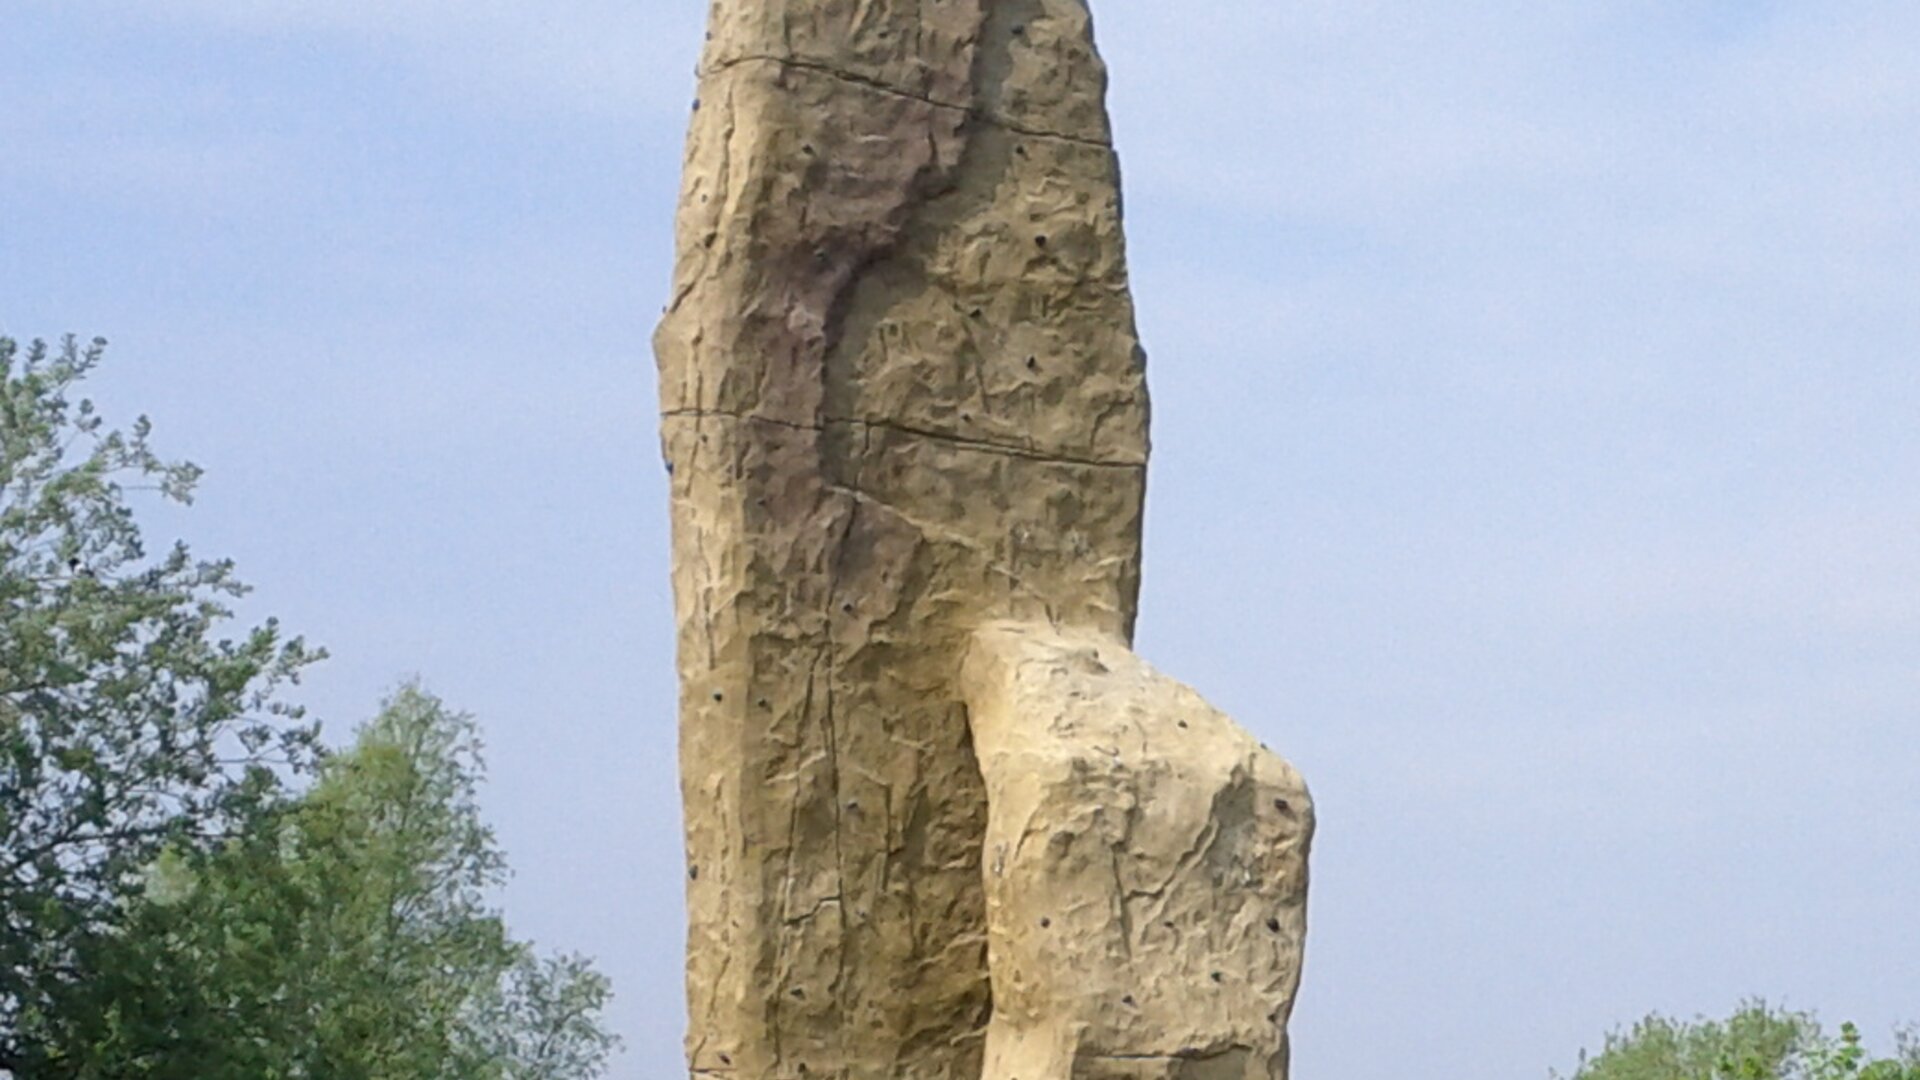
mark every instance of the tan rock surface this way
{"type": "Point", "coordinates": [1146, 868]}
{"type": "Point", "coordinates": [902, 399]}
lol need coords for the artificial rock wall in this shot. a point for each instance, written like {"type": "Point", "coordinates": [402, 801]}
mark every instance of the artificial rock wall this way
{"type": "Point", "coordinates": [941, 823]}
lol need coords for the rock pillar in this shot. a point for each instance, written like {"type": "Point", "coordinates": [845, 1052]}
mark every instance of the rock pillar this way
{"type": "Point", "coordinates": [905, 414]}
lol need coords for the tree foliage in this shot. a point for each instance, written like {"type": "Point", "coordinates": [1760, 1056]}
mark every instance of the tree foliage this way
{"type": "Point", "coordinates": [1758, 1042]}
{"type": "Point", "coordinates": [127, 725]}
{"type": "Point", "coordinates": [352, 938]}
{"type": "Point", "coordinates": [190, 887]}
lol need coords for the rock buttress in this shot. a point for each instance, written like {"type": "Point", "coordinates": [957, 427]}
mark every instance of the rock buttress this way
{"type": "Point", "coordinates": [902, 399]}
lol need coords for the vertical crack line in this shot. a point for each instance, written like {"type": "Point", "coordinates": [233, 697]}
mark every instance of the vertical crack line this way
{"type": "Point", "coordinates": [712, 1005]}
{"type": "Point", "coordinates": [834, 581]}
{"type": "Point", "coordinates": [784, 928]}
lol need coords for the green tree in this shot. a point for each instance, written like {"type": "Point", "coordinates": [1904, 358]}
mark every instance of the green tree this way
{"type": "Point", "coordinates": [1758, 1042]}
{"type": "Point", "coordinates": [127, 725]}
{"type": "Point", "coordinates": [189, 886]}
{"type": "Point", "coordinates": [1845, 1058]}
{"type": "Point", "coordinates": [352, 939]}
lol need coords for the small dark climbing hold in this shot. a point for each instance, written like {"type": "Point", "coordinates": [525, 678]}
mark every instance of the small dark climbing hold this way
{"type": "Point", "coordinates": [1033, 363]}
{"type": "Point", "coordinates": [1045, 922]}
{"type": "Point", "coordinates": [847, 607]}
{"type": "Point", "coordinates": [807, 149]}
{"type": "Point", "coordinates": [1020, 151]}
{"type": "Point", "coordinates": [798, 993]}
{"type": "Point", "coordinates": [696, 104]}
{"type": "Point", "coordinates": [1168, 924]}
{"type": "Point", "coordinates": [1040, 241]}
{"type": "Point", "coordinates": [976, 313]}
{"type": "Point", "coordinates": [1019, 31]}
{"type": "Point", "coordinates": [1281, 805]}
{"type": "Point", "coordinates": [1273, 925]}
{"type": "Point", "coordinates": [1127, 1000]}
{"type": "Point", "coordinates": [669, 468]}
{"type": "Point", "coordinates": [853, 805]}
{"type": "Point", "coordinates": [725, 1060]}
{"type": "Point", "coordinates": [764, 703]}
{"type": "Point", "coordinates": [718, 696]}
{"type": "Point", "coordinates": [1217, 977]}
{"type": "Point", "coordinates": [693, 873]}
{"type": "Point", "coordinates": [1182, 723]}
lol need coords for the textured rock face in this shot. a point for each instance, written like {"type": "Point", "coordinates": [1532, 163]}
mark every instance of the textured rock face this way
{"type": "Point", "coordinates": [1146, 868]}
{"type": "Point", "coordinates": [902, 402]}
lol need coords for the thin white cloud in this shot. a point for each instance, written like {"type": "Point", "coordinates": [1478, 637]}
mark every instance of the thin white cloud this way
{"type": "Point", "coordinates": [1428, 114]}
{"type": "Point", "coordinates": [132, 141]}
{"type": "Point", "coordinates": [603, 58]}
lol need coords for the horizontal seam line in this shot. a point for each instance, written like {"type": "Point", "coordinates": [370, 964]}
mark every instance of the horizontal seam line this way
{"type": "Point", "coordinates": [888, 88]}
{"type": "Point", "coordinates": [982, 445]}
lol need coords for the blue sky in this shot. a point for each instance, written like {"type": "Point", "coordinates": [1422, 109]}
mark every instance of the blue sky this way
{"type": "Point", "coordinates": [1536, 456]}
